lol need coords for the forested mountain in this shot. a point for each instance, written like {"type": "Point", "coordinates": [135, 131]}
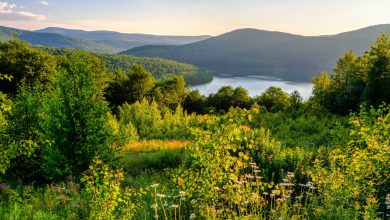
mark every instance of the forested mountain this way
{"type": "Point", "coordinates": [53, 40]}
{"type": "Point", "coordinates": [123, 41]}
{"type": "Point", "coordinates": [259, 52]}
{"type": "Point", "coordinates": [159, 68]}
{"type": "Point", "coordinates": [95, 41]}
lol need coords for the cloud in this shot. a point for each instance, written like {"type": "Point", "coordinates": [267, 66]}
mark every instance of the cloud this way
{"type": "Point", "coordinates": [45, 3]}
{"type": "Point", "coordinates": [8, 12]}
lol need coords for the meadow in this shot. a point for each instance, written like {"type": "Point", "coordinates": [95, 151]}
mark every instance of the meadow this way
{"type": "Point", "coordinates": [79, 142]}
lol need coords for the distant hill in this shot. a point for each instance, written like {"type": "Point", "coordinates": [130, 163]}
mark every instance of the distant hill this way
{"type": "Point", "coordinates": [259, 52]}
{"type": "Point", "coordinates": [52, 40]}
{"type": "Point", "coordinates": [160, 68]}
{"type": "Point", "coordinates": [121, 41]}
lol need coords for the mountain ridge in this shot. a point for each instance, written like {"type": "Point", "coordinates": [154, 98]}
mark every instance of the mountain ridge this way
{"type": "Point", "coordinates": [258, 52]}
{"type": "Point", "coordinates": [123, 41]}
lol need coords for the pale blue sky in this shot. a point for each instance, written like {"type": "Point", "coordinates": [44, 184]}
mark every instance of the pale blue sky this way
{"type": "Point", "coordinates": [196, 17]}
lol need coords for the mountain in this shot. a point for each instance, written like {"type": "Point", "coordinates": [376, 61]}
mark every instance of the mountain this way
{"type": "Point", "coordinates": [121, 41]}
{"type": "Point", "coordinates": [52, 40]}
{"type": "Point", "coordinates": [259, 52]}
{"type": "Point", "coordinates": [160, 68]}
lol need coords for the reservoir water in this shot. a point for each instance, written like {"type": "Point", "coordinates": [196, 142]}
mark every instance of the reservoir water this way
{"type": "Point", "coordinates": [255, 85]}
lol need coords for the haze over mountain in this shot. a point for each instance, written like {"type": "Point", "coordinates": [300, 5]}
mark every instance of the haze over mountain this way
{"type": "Point", "coordinates": [259, 52]}
{"type": "Point", "coordinates": [95, 41]}
{"type": "Point", "coordinates": [52, 40]}
{"type": "Point", "coordinates": [122, 41]}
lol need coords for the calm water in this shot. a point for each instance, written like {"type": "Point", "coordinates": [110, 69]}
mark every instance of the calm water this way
{"type": "Point", "coordinates": [254, 84]}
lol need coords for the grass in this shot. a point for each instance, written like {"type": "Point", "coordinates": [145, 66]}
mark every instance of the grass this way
{"type": "Point", "coordinates": [152, 155]}
{"type": "Point", "coordinates": [153, 145]}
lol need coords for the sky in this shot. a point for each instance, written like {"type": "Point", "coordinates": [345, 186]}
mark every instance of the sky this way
{"type": "Point", "coordinates": [196, 17]}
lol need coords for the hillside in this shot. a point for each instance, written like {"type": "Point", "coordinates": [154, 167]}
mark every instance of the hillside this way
{"type": "Point", "coordinates": [122, 41]}
{"type": "Point", "coordinates": [160, 68]}
{"type": "Point", "coordinates": [259, 52]}
{"type": "Point", "coordinates": [52, 40]}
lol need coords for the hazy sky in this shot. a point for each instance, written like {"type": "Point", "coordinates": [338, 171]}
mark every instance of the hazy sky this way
{"type": "Point", "coordinates": [196, 17]}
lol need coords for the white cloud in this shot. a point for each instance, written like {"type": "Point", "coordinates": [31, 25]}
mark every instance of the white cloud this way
{"type": "Point", "coordinates": [45, 3]}
{"type": "Point", "coordinates": [8, 12]}
{"type": "Point", "coordinates": [6, 8]}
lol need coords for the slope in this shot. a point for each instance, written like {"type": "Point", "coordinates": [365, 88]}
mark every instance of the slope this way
{"type": "Point", "coordinates": [259, 52]}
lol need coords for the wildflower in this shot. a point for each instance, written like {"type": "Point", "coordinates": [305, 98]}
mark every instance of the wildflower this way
{"type": "Point", "coordinates": [165, 203]}
{"type": "Point", "coordinates": [273, 191]}
{"type": "Point", "coordinates": [265, 193]}
{"type": "Point", "coordinates": [217, 188]}
{"type": "Point", "coordinates": [285, 180]}
{"type": "Point", "coordinates": [257, 171]}
{"type": "Point", "coordinates": [286, 184]}
{"type": "Point", "coordinates": [183, 199]}
{"type": "Point", "coordinates": [155, 185]}
{"type": "Point", "coordinates": [219, 211]}
{"type": "Point", "coordinates": [154, 206]}
{"type": "Point", "coordinates": [161, 195]}
{"type": "Point", "coordinates": [247, 176]}
{"type": "Point", "coordinates": [309, 185]}
{"type": "Point", "coordinates": [182, 193]}
{"type": "Point", "coordinates": [279, 200]}
{"type": "Point", "coordinates": [259, 177]}
{"type": "Point", "coordinates": [252, 164]}
{"type": "Point", "coordinates": [174, 206]}
{"type": "Point", "coordinates": [290, 175]}
{"type": "Point", "coordinates": [255, 196]}
{"type": "Point", "coordinates": [192, 216]}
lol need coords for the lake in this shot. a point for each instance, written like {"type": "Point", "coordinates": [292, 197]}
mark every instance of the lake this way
{"type": "Point", "coordinates": [255, 85]}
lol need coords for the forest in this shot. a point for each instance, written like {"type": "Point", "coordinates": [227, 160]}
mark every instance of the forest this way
{"type": "Point", "coordinates": [81, 138]}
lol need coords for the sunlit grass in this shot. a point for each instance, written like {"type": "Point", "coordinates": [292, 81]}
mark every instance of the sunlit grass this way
{"type": "Point", "coordinates": [152, 155]}
{"type": "Point", "coordinates": [153, 145]}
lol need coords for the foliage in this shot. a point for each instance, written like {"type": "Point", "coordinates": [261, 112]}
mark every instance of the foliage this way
{"type": "Point", "coordinates": [21, 140]}
{"type": "Point", "coordinates": [378, 76]}
{"type": "Point", "coordinates": [353, 180]}
{"type": "Point", "coordinates": [231, 167]}
{"type": "Point", "coordinates": [160, 68]}
{"type": "Point", "coordinates": [75, 119]}
{"type": "Point", "coordinates": [145, 116]}
{"type": "Point", "coordinates": [274, 99]}
{"type": "Point", "coordinates": [103, 191]}
{"type": "Point", "coordinates": [170, 92]}
{"type": "Point", "coordinates": [20, 62]}
{"type": "Point", "coordinates": [356, 80]}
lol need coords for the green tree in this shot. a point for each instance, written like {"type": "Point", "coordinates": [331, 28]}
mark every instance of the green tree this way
{"type": "Point", "coordinates": [140, 83]}
{"type": "Point", "coordinates": [22, 137]}
{"type": "Point", "coordinates": [222, 100]}
{"type": "Point", "coordinates": [20, 61]}
{"type": "Point", "coordinates": [170, 92]}
{"type": "Point", "coordinates": [145, 116]}
{"type": "Point", "coordinates": [378, 79]}
{"type": "Point", "coordinates": [241, 98]}
{"type": "Point", "coordinates": [194, 102]}
{"type": "Point", "coordinates": [274, 99]}
{"type": "Point", "coordinates": [118, 92]}
{"type": "Point", "coordinates": [75, 119]}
